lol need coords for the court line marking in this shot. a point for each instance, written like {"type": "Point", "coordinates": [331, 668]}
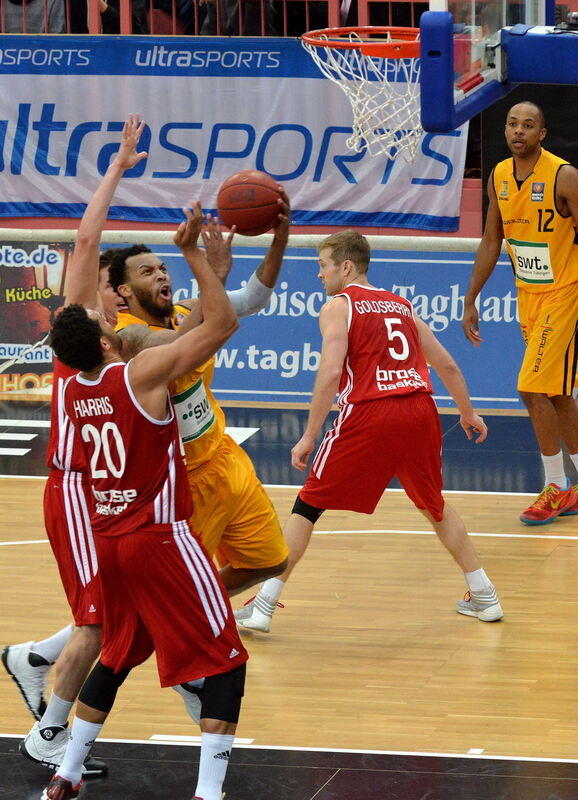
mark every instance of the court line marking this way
{"type": "Point", "coordinates": [18, 437]}
{"type": "Point", "coordinates": [335, 532]}
{"type": "Point", "coordinates": [26, 541]}
{"type": "Point", "coordinates": [167, 738]}
{"type": "Point", "coordinates": [426, 754]}
{"type": "Point", "coordinates": [298, 486]}
{"type": "Point", "coordinates": [215, 390]}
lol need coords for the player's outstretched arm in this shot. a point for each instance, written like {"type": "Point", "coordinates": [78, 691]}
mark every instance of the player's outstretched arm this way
{"type": "Point", "coordinates": [333, 324]}
{"type": "Point", "coordinates": [451, 376]}
{"type": "Point", "coordinates": [255, 295]}
{"type": "Point", "coordinates": [486, 258]}
{"type": "Point", "coordinates": [81, 283]}
{"type": "Point", "coordinates": [268, 271]}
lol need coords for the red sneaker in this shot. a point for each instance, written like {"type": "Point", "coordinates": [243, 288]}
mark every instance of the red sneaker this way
{"type": "Point", "coordinates": [61, 789]}
{"type": "Point", "coordinates": [551, 503]}
{"type": "Point", "coordinates": [573, 509]}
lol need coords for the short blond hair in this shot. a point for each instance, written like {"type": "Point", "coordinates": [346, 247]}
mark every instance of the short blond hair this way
{"type": "Point", "coordinates": [348, 245]}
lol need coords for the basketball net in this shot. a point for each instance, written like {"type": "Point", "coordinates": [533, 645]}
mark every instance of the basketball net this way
{"type": "Point", "coordinates": [383, 93]}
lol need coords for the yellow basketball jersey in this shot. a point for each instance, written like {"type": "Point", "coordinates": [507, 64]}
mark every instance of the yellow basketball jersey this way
{"type": "Point", "coordinates": [541, 243]}
{"type": "Point", "coordinates": [201, 419]}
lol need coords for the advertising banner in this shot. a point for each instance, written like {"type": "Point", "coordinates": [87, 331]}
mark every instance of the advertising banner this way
{"type": "Point", "coordinates": [213, 107]}
{"type": "Point", "coordinates": [274, 355]}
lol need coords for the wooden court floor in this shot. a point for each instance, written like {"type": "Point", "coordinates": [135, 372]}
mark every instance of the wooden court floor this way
{"type": "Point", "coordinates": [368, 652]}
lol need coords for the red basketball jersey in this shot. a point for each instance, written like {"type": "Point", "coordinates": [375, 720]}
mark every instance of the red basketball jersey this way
{"type": "Point", "coordinates": [65, 451]}
{"type": "Point", "coordinates": [384, 356]}
{"type": "Point", "coordinates": [135, 462]}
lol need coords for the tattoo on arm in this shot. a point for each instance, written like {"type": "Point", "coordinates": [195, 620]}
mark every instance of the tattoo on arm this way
{"type": "Point", "coordinates": [139, 337]}
{"type": "Point", "coordinates": [259, 271]}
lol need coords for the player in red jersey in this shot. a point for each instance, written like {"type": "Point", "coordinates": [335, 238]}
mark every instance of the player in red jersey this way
{"type": "Point", "coordinates": [161, 591]}
{"type": "Point", "coordinates": [67, 502]}
{"type": "Point", "coordinates": [375, 353]}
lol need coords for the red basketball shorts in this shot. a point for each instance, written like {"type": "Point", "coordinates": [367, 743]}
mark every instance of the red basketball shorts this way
{"type": "Point", "coordinates": [162, 593]}
{"type": "Point", "coordinates": [67, 504]}
{"type": "Point", "coordinates": [371, 443]}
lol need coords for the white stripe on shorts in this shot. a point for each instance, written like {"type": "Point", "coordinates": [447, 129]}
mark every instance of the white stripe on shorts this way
{"type": "Point", "coordinates": [205, 582]}
{"type": "Point", "coordinates": [164, 502]}
{"type": "Point", "coordinates": [78, 524]}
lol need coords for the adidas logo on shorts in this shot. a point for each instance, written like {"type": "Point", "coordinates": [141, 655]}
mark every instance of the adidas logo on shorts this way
{"type": "Point", "coordinates": [233, 653]}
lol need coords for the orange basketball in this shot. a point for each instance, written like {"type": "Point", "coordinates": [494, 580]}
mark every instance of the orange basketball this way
{"type": "Point", "coordinates": [248, 199]}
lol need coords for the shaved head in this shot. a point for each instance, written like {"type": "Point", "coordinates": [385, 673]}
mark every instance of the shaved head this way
{"type": "Point", "coordinates": [528, 108]}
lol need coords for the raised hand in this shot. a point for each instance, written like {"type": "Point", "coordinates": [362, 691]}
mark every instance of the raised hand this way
{"type": "Point", "coordinates": [217, 246]}
{"type": "Point", "coordinates": [187, 233]}
{"type": "Point", "coordinates": [127, 155]}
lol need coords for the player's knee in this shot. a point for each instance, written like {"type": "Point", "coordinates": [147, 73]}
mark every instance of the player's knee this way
{"type": "Point", "coordinates": [90, 637]}
{"type": "Point", "coordinates": [222, 695]}
{"type": "Point", "coordinates": [305, 510]}
{"type": "Point", "coordinates": [101, 686]}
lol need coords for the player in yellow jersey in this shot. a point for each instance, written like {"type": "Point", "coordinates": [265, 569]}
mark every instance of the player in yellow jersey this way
{"type": "Point", "coordinates": [232, 513]}
{"type": "Point", "coordinates": [534, 207]}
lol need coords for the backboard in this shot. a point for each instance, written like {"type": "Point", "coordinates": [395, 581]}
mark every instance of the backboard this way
{"type": "Point", "coordinates": [473, 53]}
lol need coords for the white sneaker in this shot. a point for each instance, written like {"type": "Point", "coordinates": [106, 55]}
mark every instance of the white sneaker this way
{"type": "Point", "coordinates": [192, 700]}
{"type": "Point", "coordinates": [46, 746]}
{"type": "Point", "coordinates": [30, 680]}
{"type": "Point", "coordinates": [256, 614]}
{"type": "Point", "coordinates": [483, 605]}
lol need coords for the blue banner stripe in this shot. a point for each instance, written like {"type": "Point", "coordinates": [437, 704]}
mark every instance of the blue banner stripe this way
{"type": "Point", "coordinates": [269, 57]}
{"type": "Point", "coordinates": [382, 219]}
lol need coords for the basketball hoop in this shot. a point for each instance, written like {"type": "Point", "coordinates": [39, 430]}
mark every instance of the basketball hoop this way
{"type": "Point", "coordinates": [380, 76]}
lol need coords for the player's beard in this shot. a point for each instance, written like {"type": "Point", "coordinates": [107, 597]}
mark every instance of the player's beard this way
{"type": "Point", "coordinates": [157, 310]}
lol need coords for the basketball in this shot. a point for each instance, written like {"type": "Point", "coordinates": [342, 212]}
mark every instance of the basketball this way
{"type": "Point", "coordinates": [248, 199]}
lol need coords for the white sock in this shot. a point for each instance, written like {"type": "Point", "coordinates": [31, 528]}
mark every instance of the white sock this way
{"type": "Point", "coordinates": [215, 753]}
{"type": "Point", "coordinates": [554, 470]}
{"type": "Point", "coordinates": [79, 745]}
{"type": "Point", "coordinates": [477, 580]}
{"type": "Point", "coordinates": [272, 589]}
{"type": "Point", "coordinates": [56, 713]}
{"type": "Point", "coordinates": [574, 460]}
{"type": "Point", "coordinates": [52, 647]}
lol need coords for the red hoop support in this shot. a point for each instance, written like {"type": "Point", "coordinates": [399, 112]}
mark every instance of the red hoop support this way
{"type": "Point", "coordinates": [402, 42]}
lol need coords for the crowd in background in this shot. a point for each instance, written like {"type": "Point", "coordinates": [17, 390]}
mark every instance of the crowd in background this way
{"type": "Point", "coordinates": [233, 17]}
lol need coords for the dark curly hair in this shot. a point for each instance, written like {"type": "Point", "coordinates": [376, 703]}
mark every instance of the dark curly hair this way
{"type": "Point", "coordinates": [75, 338]}
{"type": "Point", "coordinates": [106, 257]}
{"type": "Point", "coordinates": [117, 268]}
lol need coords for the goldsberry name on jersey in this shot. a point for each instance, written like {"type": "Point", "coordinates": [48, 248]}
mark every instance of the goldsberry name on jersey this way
{"type": "Point", "coordinates": [382, 307]}
{"type": "Point", "coordinates": [388, 379]}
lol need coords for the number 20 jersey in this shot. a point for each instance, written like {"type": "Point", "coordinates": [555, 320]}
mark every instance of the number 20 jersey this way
{"type": "Point", "coordinates": [384, 355]}
{"type": "Point", "coordinates": [135, 462]}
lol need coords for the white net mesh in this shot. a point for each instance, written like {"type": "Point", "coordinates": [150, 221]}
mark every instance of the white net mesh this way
{"type": "Point", "coordinates": [384, 97]}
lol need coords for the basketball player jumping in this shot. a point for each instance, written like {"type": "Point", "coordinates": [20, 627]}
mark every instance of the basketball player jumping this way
{"type": "Point", "coordinates": [162, 591]}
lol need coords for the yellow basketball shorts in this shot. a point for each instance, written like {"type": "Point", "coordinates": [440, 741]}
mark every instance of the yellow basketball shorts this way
{"type": "Point", "coordinates": [549, 323]}
{"type": "Point", "coordinates": [233, 514]}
